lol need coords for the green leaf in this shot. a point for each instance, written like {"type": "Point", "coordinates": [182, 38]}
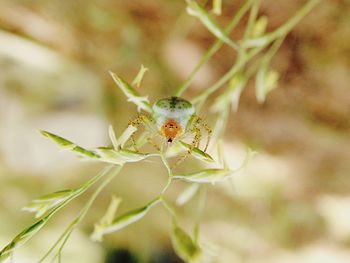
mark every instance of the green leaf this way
{"type": "Point", "coordinates": [195, 10]}
{"type": "Point", "coordinates": [217, 6]}
{"type": "Point", "coordinates": [111, 211]}
{"type": "Point", "coordinates": [183, 245]}
{"type": "Point", "coordinates": [220, 155]}
{"type": "Point", "coordinates": [70, 146]}
{"type": "Point", "coordinates": [215, 175]}
{"type": "Point", "coordinates": [131, 216]}
{"type": "Point", "coordinates": [138, 79]}
{"type": "Point", "coordinates": [21, 238]}
{"type": "Point", "coordinates": [122, 156]}
{"type": "Point", "coordinates": [123, 220]}
{"type": "Point", "coordinates": [266, 80]}
{"type": "Point", "coordinates": [43, 204]}
{"type": "Point", "coordinates": [283, 30]}
{"type": "Point", "coordinates": [231, 95]}
{"type": "Point", "coordinates": [187, 194]}
{"type": "Point", "coordinates": [197, 153]}
{"type": "Point", "coordinates": [236, 87]}
{"type": "Point", "coordinates": [112, 137]}
{"type": "Point", "coordinates": [132, 94]}
{"type": "Point", "coordinates": [126, 135]}
{"type": "Point", "coordinates": [63, 143]}
{"type": "Point", "coordinates": [259, 27]}
{"type": "Point", "coordinates": [106, 220]}
{"type": "Point", "coordinates": [174, 150]}
{"type": "Point", "coordinates": [205, 176]}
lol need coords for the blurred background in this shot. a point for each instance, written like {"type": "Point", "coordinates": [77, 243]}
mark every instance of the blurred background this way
{"type": "Point", "coordinates": [291, 204]}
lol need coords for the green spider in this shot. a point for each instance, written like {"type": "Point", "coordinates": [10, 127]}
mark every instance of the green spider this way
{"type": "Point", "coordinates": [173, 118]}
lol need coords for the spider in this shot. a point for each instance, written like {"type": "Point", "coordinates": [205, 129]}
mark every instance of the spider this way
{"type": "Point", "coordinates": [173, 118]}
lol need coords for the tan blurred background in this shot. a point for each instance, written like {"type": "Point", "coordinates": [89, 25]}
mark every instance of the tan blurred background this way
{"type": "Point", "coordinates": [292, 203]}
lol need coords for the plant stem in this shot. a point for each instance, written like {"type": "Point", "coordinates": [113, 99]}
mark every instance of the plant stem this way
{"type": "Point", "coordinates": [168, 207]}
{"type": "Point", "coordinates": [252, 18]}
{"type": "Point", "coordinates": [214, 48]}
{"type": "Point", "coordinates": [235, 68]}
{"type": "Point", "coordinates": [281, 32]}
{"type": "Point", "coordinates": [285, 28]}
{"type": "Point", "coordinates": [167, 185]}
{"type": "Point", "coordinates": [87, 206]}
{"type": "Point", "coordinates": [80, 191]}
{"type": "Point", "coordinates": [201, 206]}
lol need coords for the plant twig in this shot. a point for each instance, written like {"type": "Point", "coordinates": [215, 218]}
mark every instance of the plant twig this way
{"type": "Point", "coordinates": [214, 48]}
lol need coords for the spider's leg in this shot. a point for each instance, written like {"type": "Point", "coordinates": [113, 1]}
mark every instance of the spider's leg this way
{"type": "Point", "coordinates": [196, 130]}
{"type": "Point", "coordinates": [195, 142]}
{"type": "Point", "coordinates": [150, 141]}
{"type": "Point", "coordinates": [209, 132]}
{"type": "Point", "coordinates": [139, 120]}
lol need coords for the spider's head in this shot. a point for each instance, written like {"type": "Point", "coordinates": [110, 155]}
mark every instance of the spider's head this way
{"type": "Point", "coordinates": [171, 130]}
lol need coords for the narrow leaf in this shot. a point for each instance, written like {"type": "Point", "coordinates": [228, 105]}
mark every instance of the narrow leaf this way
{"type": "Point", "coordinates": [205, 176]}
{"type": "Point", "coordinates": [236, 87]}
{"type": "Point", "coordinates": [111, 211]}
{"type": "Point", "coordinates": [197, 153]}
{"type": "Point", "coordinates": [183, 245]}
{"type": "Point", "coordinates": [21, 238]}
{"type": "Point", "coordinates": [132, 216]}
{"type": "Point", "coordinates": [195, 10]}
{"type": "Point", "coordinates": [260, 90]}
{"type": "Point", "coordinates": [217, 6]}
{"type": "Point", "coordinates": [231, 95]}
{"type": "Point", "coordinates": [137, 81]}
{"type": "Point", "coordinates": [43, 204]}
{"type": "Point", "coordinates": [63, 143]}
{"type": "Point", "coordinates": [123, 220]}
{"type": "Point", "coordinates": [214, 175]}
{"type": "Point", "coordinates": [259, 27]}
{"type": "Point", "coordinates": [187, 194]}
{"type": "Point", "coordinates": [68, 145]}
{"type": "Point", "coordinates": [112, 137]}
{"type": "Point", "coordinates": [174, 150]}
{"type": "Point", "coordinates": [58, 195]}
{"type": "Point", "coordinates": [271, 80]}
{"type": "Point", "coordinates": [126, 135]}
{"type": "Point", "coordinates": [266, 80]}
{"type": "Point", "coordinates": [121, 156]}
{"type": "Point", "coordinates": [132, 94]}
{"type": "Point", "coordinates": [220, 154]}
{"type": "Point", "coordinates": [106, 220]}
{"type": "Point", "coordinates": [283, 30]}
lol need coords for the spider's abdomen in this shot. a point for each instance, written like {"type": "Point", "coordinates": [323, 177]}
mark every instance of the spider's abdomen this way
{"type": "Point", "coordinates": [174, 108]}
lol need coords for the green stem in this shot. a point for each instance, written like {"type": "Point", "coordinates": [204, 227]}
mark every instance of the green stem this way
{"type": "Point", "coordinates": [167, 185]}
{"type": "Point", "coordinates": [268, 38]}
{"type": "Point", "coordinates": [43, 220]}
{"type": "Point", "coordinates": [235, 68]}
{"type": "Point", "coordinates": [166, 164]}
{"type": "Point", "coordinates": [201, 206]}
{"type": "Point", "coordinates": [252, 18]}
{"type": "Point", "coordinates": [168, 207]}
{"type": "Point", "coordinates": [285, 28]}
{"type": "Point", "coordinates": [265, 59]}
{"type": "Point", "coordinates": [87, 206]}
{"type": "Point", "coordinates": [248, 30]}
{"type": "Point", "coordinates": [77, 193]}
{"type": "Point", "coordinates": [220, 125]}
{"type": "Point", "coordinates": [214, 48]}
